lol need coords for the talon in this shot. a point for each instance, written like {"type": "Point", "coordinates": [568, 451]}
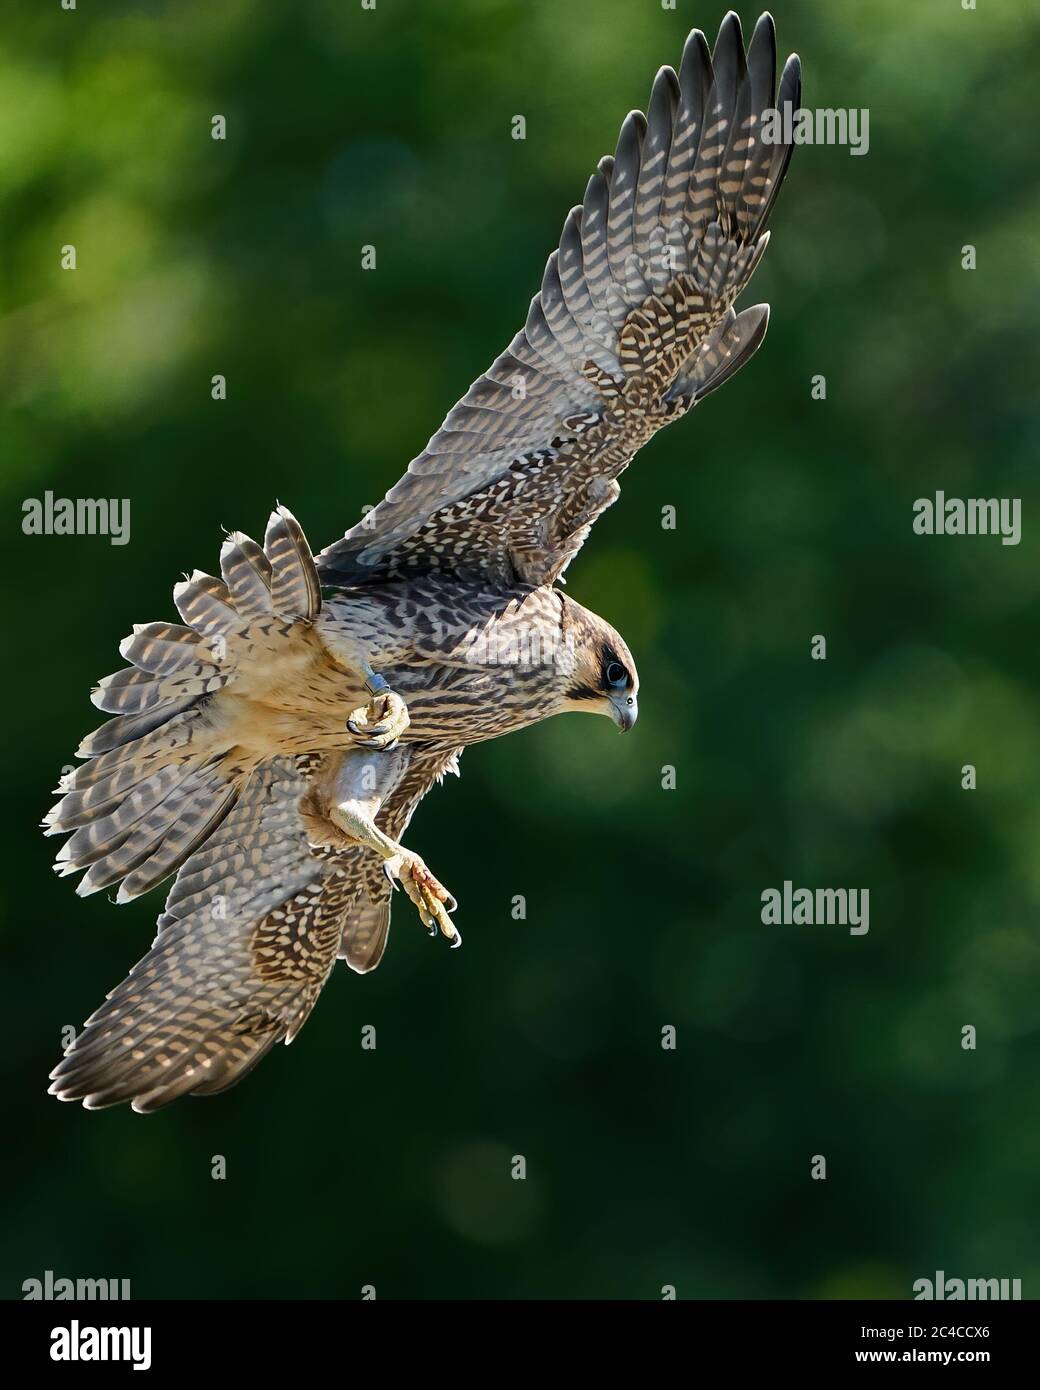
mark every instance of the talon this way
{"type": "Point", "coordinates": [430, 897]}
{"type": "Point", "coordinates": [381, 723]}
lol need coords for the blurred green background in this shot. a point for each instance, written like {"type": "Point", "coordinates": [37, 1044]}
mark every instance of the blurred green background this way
{"type": "Point", "coordinates": [542, 1037]}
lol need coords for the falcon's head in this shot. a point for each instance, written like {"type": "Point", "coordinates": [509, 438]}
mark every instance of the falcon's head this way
{"type": "Point", "coordinates": [602, 677]}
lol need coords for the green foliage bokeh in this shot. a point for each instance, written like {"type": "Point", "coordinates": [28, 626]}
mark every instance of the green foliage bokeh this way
{"type": "Point", "coordinates": [541, 1037]}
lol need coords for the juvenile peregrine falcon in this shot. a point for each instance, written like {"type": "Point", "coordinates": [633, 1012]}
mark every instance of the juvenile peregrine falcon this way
{"type": "Point", "coordinates": [272, 749]}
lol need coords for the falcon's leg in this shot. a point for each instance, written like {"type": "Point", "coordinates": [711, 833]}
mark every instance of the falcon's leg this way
{"type": "Point", "coordinates": [360, 787]}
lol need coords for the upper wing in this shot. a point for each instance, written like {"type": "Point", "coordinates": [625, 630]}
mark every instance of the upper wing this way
{"type": "Point", "coordinates": [633, 324]}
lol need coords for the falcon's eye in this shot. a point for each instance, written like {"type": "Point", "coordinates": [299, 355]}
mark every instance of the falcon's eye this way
{"type": "Point", "coordinates": [616, 675]}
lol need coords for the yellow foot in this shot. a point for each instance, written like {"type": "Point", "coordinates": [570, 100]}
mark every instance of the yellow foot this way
{"type": "Point", "coordinates": [431, 898]}
{"type": "Point", "coordinates": [381, 722]}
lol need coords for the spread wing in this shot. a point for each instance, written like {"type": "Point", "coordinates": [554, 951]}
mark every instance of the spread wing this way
{"type": "Point", "coordinates": [632, 326]}
{"type": "Point", "coordinates": [252, 928]}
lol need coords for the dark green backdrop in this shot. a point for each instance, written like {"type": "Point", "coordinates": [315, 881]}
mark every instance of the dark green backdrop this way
{"type": "Point", "coordinates": [542, 1037]}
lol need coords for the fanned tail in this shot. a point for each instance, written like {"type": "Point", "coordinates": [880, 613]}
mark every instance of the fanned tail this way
{"type": "Point", "coordinates": [157, 781]}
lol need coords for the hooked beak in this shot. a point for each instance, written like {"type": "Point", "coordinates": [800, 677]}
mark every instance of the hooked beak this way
{"type": "Point", "coordinates": [624, 710]}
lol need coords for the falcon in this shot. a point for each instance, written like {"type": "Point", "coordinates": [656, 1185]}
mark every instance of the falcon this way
{"type": "Point", "coordinates": [271, 748]}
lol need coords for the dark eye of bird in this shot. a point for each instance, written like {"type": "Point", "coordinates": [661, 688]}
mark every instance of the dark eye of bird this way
{"type": "Point", "coordinates": [616, 674]}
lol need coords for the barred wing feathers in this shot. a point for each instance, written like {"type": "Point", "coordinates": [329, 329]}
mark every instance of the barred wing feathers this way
{"type": "Point", "coordinates": [252, 928]}
{"type": "Point", "coordinates": [632, 326]}
{"type": "Point", "coordinates": [246, 942]}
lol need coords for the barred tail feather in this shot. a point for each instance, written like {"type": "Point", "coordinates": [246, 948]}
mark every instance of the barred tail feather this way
{"type": "Point", "coordinates": [149, 844]}
{"type": "Point", "coordinates": [156, 782]}
{"type": "Point", "coordinates": [132, 691]}
{"type": "Point", "coordinates": [127, 728]}
{"type": "Point", "coordinates": [159, 648]}
{"type": "Point", "coordinates": [247, 574]}
{"type": "Point", "coordinates": [295, 590]}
